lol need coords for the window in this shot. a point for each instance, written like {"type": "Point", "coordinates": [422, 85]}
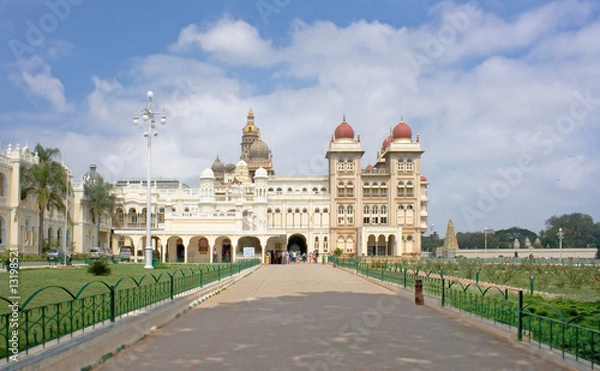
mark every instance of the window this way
{"type": "Point", "coordinates": [350, 209]}
{"type": "Point", "coordinates": [315, 189]}
{"type": "Point", "coordinates": [289, 189]}
{"type": "Point", "coordinates": [317, 210]}
{"type": "Point", "coordinates": [323, 189]}
{"type": "Point", "coordinates": [350, 165]}
{"type": "Point", "coordinates": [289, 211]}
{"type": "Point", "coordinates": [375, 209]}
{"type": "Point", "coordinates": [341, 209]}
{"type": "Point", "coordinates": [340, 166]}
{"type": "Point", "coordinates": [401, 189]}
{"type": "Point", "coordinates": [400, 166]}
{"type": "Point", "coordinates": [305, 210]}
{"type": "Point", "coordinates": [325, 244]}
{"type": "Point", "coordinates": [270, 189]}
{"type": "Point", "coordinates": [341, 189]}
{"type": "Point", "coordinates": [350, 189]}
{"type": "Point", "coordinates": [325, 210]}
{"type": "Point", "coordinates": [269, 211]}
{"type": "Point", "coordinates": [410, 167]}
{"type": "Point", "coordinates": [277, 211]}
{"type": "Point", "coordinates": [279, 190]}
{"type": "Point", "coordinates": [409, 189]}
{"type": "Point", "coordinates": [304, 189]}
{"type": "Point", "coordinates": [366, 210]}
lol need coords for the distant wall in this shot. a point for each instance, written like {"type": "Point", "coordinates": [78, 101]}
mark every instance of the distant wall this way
{"type": "Point", "coordinates": [524, 253]}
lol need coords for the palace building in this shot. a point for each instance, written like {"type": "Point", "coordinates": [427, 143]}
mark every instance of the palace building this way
{"type": "Point", "coordinates": [377, 209]}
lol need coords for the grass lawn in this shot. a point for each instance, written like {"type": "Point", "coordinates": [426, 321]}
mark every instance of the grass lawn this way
{"type": "Point", "coordinates": [73, 279]}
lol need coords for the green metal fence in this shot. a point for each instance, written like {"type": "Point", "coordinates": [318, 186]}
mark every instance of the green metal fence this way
{"type": "Point", "coordinates": [31, 325]}
{"type": "Point", "coordinates": [493, 303]}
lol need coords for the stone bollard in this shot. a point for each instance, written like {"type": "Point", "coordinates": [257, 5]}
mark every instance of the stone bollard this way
{"type": "Point", "coordinates": [419, 298]}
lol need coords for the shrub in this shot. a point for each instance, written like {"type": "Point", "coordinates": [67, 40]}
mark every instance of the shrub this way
{"type": "Point", "coordinates": [99, 267]}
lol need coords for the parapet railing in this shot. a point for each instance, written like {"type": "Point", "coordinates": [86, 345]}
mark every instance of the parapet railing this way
{"type": "Point", "coordinates": [28, 325]}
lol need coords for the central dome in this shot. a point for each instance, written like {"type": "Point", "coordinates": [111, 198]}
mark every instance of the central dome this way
{"type": "Point", "coordinates": [344, 130]}
{"type": "Point", "coordinates": [259, 150]}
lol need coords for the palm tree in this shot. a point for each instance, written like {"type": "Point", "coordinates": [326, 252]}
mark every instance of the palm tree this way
{"type": "Point", "coordinates": [98, 196]}
{"type": "Point", "coordinates": [46, 183]}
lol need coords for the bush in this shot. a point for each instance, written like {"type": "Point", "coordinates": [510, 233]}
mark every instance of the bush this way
{"type": "Point", "coordinates": [99, 267]}
{"type": "Point", "coordinates": [338, 252]}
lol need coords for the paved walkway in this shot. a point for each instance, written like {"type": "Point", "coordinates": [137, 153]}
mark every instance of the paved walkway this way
{"type": "Point", "coordinates": [315, 317]}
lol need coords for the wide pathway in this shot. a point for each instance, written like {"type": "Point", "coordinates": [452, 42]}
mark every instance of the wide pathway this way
{"type": "Point", "coordinates": [315, 317]}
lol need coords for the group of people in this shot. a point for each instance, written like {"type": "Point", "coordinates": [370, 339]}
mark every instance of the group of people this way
{"type": "Point", "coordinates": [288, 257]}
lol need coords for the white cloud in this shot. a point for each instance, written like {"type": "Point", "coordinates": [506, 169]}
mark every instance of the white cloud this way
{"type": "Point", "coordinates": [35, 77]}
{"type": "Point", "coordinates": [232, 41]}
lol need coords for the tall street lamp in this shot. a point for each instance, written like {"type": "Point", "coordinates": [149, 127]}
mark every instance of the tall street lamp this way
{"type": "Point", "coordinates": [148, 115]}
{"type": "Point", "coordinates": [561, 235]}
{"type": "Point", "coordinates": [67, 248]}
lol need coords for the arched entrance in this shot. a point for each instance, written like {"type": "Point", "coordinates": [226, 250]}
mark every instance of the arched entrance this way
{"type": "Point", "coordinates": [297, 243]}
{"type": "Point", "coordinates": [248, 241]}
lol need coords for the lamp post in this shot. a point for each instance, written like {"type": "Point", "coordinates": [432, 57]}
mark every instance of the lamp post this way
{"type": "Point", "coordinates": [485, 232]}
{"type": "Point", "coordinates": [561, 235]}
{"type": "Point", "coordinates": [148, 115]}
{"type": "Point", "coordinates": [68, 173]}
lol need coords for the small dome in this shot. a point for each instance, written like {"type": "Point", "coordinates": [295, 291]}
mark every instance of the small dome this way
{"type": "Point", "coordinates": [241, 163]}
{"type": "Point", "coordinates": [260, 173]}
{"type": "Point", "coordinates": [402, 131]}
{"type": "Point", "coordinates": [92, 175]}
{"type": "Point", "coordinates": [369, 167]}
{"type": "Point", "coordinates": [259, 150]}
{"type": "Point", "coordinates": [344, 130]}
{"type": "Point", "coordinates": [229, 168]}
{"type": "Point", "coordinates": [423, 179]}
{"type": "Point", "coordinates": [217, 166]}
{"type": "Point", "coordinates": [250, 128]}
{"type": "Point", "coordinates": [387, 141]}
{"type": "Point", "coordinates": [207, 174]}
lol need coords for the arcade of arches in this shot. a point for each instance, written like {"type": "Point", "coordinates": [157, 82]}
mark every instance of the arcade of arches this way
{"type": "Point", "coordinates": [212, 249]}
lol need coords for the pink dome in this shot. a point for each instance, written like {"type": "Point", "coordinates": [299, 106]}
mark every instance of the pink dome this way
{"type": "Point", "coordinates": [387, 141]}
{"type": "Point", "coordinates": [423, 179]}
{"type": "Point", "coordinates": [402, 131]}
{"type": "Point", "coordinates": [344, 130]}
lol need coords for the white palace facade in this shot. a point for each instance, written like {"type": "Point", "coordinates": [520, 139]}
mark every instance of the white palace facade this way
{"type": "Point", "coordinates": [378, 209]}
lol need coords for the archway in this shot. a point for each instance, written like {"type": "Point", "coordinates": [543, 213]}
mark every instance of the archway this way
{"type": "Point", "coordinates": [297, 243]}
{"type": "Point", "coordinates": [248, 241]}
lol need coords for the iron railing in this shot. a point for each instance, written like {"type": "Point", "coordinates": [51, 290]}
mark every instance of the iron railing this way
{"type": "Point", "coordinates": [494, 303]}
{"type": "Point", "coordinates": [30, 325]}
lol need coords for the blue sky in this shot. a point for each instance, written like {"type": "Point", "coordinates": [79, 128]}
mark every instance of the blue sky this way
{"type": "Point", "coordinates": [504, 94]}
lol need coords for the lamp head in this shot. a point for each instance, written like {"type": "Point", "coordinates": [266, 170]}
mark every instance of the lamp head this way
{"type": "Point", "coordinates": [163, 120]}
{"type": "Point", "coordinates": [150, 94]}
{"type": "Point", "coordinates": [136, 120]}
{"type": "Point", "coordinates": [145, 117]}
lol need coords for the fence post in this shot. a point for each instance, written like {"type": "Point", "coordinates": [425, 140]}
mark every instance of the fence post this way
{"type": "Point", "coordinates": [367, 270]}
{"type": "Point", "coordinates": [520, 325]}
{"type": "Point", "coordinates": [382, 273]}
{"type": "Point", "coordinates": [404, 278]}
{"type": "Point", "coordinates": [171, 285]}
{"type": "Point", "coordinates": [219, 273]}
{"type": "Point", "coordinates": [443, 291]}
{"type": "Point", "coordinates": [201, 272]}
{"type": "Point", "coordinates": [230, 269]}
{"type": "Point", "coordinates": [113, 304]}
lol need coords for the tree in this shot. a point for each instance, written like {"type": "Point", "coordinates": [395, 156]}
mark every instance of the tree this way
{"type": "Point", "coordinates": [431, 243]}
{"type": "Point", "coordinates": [579, 231]}
{"type": "Point", "coordinates": [98, 196]}
{"type": "Point", "coordinates": [507, 236]}
{"type": "Point", "coordinates": [46, 183]}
